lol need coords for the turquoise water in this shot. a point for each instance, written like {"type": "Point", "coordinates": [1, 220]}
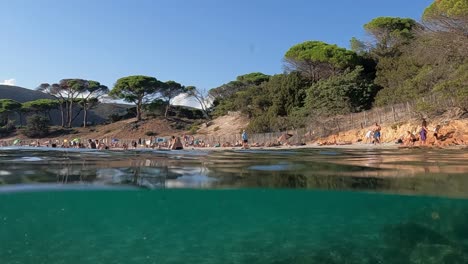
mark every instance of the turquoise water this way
{"type": "Point", "coordinates": [306, 206]}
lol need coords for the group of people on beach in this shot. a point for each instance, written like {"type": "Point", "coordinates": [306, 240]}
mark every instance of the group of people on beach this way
{"type": "Point", "coordinates": [373, 136]}
{"type": "Point", "coordinates": [410, 139]}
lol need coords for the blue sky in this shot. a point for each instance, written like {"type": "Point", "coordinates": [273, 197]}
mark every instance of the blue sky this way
{"type": "Point", "coordinates": [204, 43]}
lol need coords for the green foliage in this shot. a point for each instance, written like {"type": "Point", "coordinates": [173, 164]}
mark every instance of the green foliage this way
{"type": "Point", "coordinates": [317, 60]}
{"type": "Point", "coordinates": [434, 63]}
{"type": "Point", "coordinates": [390, 33]}
{"type": "Point", "coordinates": [137, 89]}
{"type": "Point", "coordinates": [170, 90]}
{"type": "Point", "coordinates": [446, 8]}
{"type": "Point", "coordinates": [193, 129]}
{"type": "Point", "coordinates": [395, 26]}
{"type": "Point", "coordinates": [455, 86]}
{"type": "Point", "coordinates": [405, 80]}
{"type": "Point", "coordinates": [40, 105]}
{"type": "Point", "coordinates": [357, 46]}
{"type": "Point", "coordinates": [7, 107]}
{"type": "Point", "coordinates": [37, 127]}
{"type": "Point", "coordinates": [287, 91]}
{"type": "Point", "coordinates": [341, 94]}
{"type": "Point", "coordinates": [7, 129]}
{"type": "Point", "coordinates": [94, 88]}
{"type": "Point", "coordinates": [241, 83]}
{"type": "Point", "coordinates": [424, 108]}
{"type": "Point", "coordinates": [156, 107]}
{"type": "Point", "coordinates": [318, 51]}
{"type": "Point", "coordinates": [254, 78]}
{"type": "Point", "coordinates": [262, 123]}
{"type": "Point", "coordinates": [189, 113]}
{"type": "Point", "coordinates": [235, 95]}
{"type": "Point", "coordinates": [71, 91]}
{"type": "Point", "coordinates": [134, 89]}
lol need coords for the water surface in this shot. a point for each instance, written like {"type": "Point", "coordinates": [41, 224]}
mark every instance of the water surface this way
{"type": "Point", "coordinates": [260, 206]}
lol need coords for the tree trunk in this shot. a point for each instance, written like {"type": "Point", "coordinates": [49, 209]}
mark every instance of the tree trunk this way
{"type": "Point", "coordinates": [62, 114]}
{"type": "Point", "coordinates": [138, 108]}
{"type": "Point", "coordinates": [167, 110]}
{"type": "Point", "coordinates": [85, 115]}
{"type": "Point", "coordinates": [70, 113]}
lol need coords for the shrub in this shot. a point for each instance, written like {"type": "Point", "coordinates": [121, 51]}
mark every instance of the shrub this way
{"type": "Point", "coordinates": [194, 129]}
{"type": "Point", "coordinates": [115, 117]}
{"type": "Point", "coordinates": [150, 133]}
{"type": "Point", "coordinates": [216, 128]}
{"type": "Point", "coordinates": [37, 126]}
{"type": "Point", "coordinates": [425, 109]}
{"type": "Point", "coordinates": [7, 129]}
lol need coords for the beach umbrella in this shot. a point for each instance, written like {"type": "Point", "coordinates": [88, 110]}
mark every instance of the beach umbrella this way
{"type": "Point", "coordinates": [16, 141]}
{"type": "Point", "coordinates": [77, 140]}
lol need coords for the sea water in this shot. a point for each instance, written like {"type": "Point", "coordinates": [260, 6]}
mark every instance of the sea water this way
{"type": "Point", "coordinates": [288, 206]}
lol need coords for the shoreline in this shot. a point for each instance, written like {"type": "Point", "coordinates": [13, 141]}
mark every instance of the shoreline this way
{"type": "Point", "coordinates": [383, 146]}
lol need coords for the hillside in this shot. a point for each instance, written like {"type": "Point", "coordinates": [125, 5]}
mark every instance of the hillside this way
{"type": "Point", "coordinates": [21, 94]}
{"type": "Point", "coordinates": [159, 127]}
{"type": "Point", "coordinates": [230, 124]}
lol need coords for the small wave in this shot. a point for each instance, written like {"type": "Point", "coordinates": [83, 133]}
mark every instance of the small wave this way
{"type": "Point", "coordinates": [28, 159]}
{"type": "Point", "coordinates": [4, 173]}
{"type": "Point", "coordinates": [60, 187]}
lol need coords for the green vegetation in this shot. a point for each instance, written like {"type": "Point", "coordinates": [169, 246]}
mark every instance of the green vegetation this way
{"type": "Point", "coordinates": [69, 92]}
{"type": "Point", "coordinates": [317, 60]}
{"type": "Point", "coordinates": [404, 61]}
{"type": "Point", "coordinates": [341, 94]}
{"type": "Point", "coordinates": [40, 106]}
{"type": "Point", "coordinates": [136, 89]}
{"type": "Point", "coordinates": [447, 8]}
{"type": "Point", "coordinates": [93, 90]}
{"type": "Point", "coordinates": [7, 129]}
{"type": "Point", "coordinates": [170, 90]}
{"type": "Point", "coordinates": [8, 107]}
{"type": "Point", "coordinates": [38, 126]}
{"type": "Point", "coordinates": [389, 34]}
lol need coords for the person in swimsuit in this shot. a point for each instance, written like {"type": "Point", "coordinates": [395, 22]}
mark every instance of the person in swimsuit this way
{"type": "Point", "coordinates": [176, 143]}
{"type": "Point", "coordinates": [376, 130]}
{"type": "Point", "coordinates": [369, 136]}
{"type": "Point", "coordinates": [423, 135]}
{"type": "Point", "coordinates": [245, 140]}
{"type": "Point", "coordinates": [410, 139]}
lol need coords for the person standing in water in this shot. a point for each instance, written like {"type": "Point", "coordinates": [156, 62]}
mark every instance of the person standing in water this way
{"type": "Point", "coordinates": [245, 140]}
